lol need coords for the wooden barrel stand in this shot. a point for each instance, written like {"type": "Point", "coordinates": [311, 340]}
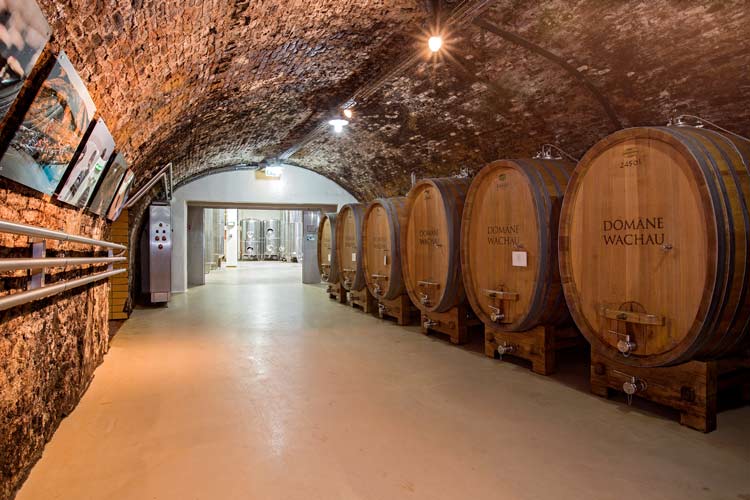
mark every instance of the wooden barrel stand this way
{"type": "Point", "coordinates": [692, 388]}
{"type": "Point", "coordinates": [455, 323]}
{"type": "Point", "coordinates": [401, 309]}
{"type": "Point", "coordinates": [538, 345]}
{"type": "Point", "coordinates": [336, 292]}
{"type": "Point", "coordinates": [362, 299]}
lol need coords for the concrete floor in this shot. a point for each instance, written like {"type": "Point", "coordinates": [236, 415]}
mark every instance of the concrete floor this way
{"type": "Point", "coordinates": [257, 387]}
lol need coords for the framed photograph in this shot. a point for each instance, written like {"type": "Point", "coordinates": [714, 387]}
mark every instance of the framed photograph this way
{"type": "Point", "coordinates": [51, 132]}
{"type": "Point", "coordinates": [108, 188]}
{"type": "Point", "coordinates": [88, 166]}
{"type": "Point", "coordinates": [121, 197]}
{"type": "Point", "coordinates": [23, 34]}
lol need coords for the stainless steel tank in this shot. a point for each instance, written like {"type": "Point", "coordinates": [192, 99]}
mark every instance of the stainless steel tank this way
{"type": "Point", "coordinates": [284, 240]}
{"type": "Point", "coordinates": [271, 239]}
{"type": "Point", "coordinates": [252, 239]}
{"type": "Point", "coordinates": [291, 236]}
{"type": "Point", "coordinates": [296, 234]}
{"type": "Point", "coordinates": [295, 251]}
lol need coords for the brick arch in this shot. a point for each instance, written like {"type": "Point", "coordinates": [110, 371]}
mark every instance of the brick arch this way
{"type": "Point", "coordinates": [204, 84]}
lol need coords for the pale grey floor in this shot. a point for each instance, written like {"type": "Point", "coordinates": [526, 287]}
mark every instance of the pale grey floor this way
{"type": "Point", "coordinates": [257, 387]}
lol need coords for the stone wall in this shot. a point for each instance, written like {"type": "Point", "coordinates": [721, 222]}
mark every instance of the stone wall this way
{"type": "Point", "coordinates": [209, 84]}
{"type": "Point", "coordinates": [50, 348]}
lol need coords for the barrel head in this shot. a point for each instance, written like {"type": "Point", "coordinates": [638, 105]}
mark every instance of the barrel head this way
{"type": "Point", "coordinates": [430, 241]}
{"type": "Point", "coordinates": [638, 246]}
{"type": "Point", "coordinates": [501, 245]}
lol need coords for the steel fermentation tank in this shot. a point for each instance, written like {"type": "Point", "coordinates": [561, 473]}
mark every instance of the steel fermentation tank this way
{"type": "Point", "coordinates": [252, 239]}
{"type": "Point", "coordinates": [271, 239]}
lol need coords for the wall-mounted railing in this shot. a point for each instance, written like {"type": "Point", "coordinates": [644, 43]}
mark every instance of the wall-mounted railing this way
{"type": "Point", "coordinates": [38, 263]}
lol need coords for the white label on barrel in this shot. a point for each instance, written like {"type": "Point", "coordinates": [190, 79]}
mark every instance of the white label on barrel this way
{"type": "Point", "coordinates": [354, 257]}
{"type": "Point", "coordinates": [329, 257]}
{"type": "Point", "coordinates": [519, 259]}
{"type": "Point", "coordinates": [385, 260]}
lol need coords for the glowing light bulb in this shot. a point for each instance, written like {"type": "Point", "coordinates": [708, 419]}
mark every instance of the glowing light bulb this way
{"type": "Point", "coordinates": [338, 125]}
{"type": "Point", "coordinates": [435, 43]}
{"type": "Point", "coordinates": [348, 113]}
{"type": "Point", "coordinates": [274, 171]}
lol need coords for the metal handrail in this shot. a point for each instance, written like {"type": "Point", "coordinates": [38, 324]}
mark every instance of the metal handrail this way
{"type": "Point", "coordinates": [38, 290]}
{"type": "Point", "coordinates": [21, 298]}
{"type": "Point", "coordinates": [18, 264]}
{"type": "Point", "coordinates": [166, 174]}
{"type": "Point", "coordinates": [49, 234]}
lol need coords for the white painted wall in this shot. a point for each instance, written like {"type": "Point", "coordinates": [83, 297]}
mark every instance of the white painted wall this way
{"type": "Point", "coordinates": [297, 185]}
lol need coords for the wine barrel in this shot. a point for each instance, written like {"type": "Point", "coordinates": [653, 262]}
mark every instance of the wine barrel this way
{"type": "Point", "coordinates": [327, 263]}
{"type": "Point", "coordinates": [654, 245]}
{"type": "Point", "coordinates": [509, 243]}
{"type": "Point", "coordinates": [430, 253]}
{"type": "Point", "coordinates": [381, 244]}
{"type": "Point", "coordinates": [349, 246]}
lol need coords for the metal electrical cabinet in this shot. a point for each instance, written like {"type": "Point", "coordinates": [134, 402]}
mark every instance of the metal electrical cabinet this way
{"type": "Point", "coordinates": [156, 256]}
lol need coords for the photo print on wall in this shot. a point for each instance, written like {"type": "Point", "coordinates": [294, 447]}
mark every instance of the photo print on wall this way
{"type": "Point", "coordinates": [106, 191]}
{"type": "Point", "coordinates": [52, 129]}
{"type": "Point", "coordinates": [88, 166]}
{"type": "Point", "coordinates": [23, 34]}
{"type": "Point", "coordinates": [121, 197]}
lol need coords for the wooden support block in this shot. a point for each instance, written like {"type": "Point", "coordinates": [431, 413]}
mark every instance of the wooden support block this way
{"type": "Point", "coordinates": [363, 299]}
{"type": "Point", "coordinates": [455, 323]}
{"type": "Point", "coordinates": [336, 292]}
{"type": "Point", "coordinates": [538, 345]}
{"type": "Point", "coordinates": [690, 388]}
{"type": "Point", "coordinates": [401, 309]}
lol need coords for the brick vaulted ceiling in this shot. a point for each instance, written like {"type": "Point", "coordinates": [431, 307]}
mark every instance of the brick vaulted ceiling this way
{"type": "Point", "coordinates": [213, 83]}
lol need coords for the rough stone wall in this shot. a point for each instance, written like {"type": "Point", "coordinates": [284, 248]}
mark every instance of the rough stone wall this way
{"type": "Point", "coordinates": [216, 82]}
{"type": "Point", "coordinates": [50, 348]}
{"type": "Point", "coordinates": [212, 83]}
{"type": "Point", "coordinates": [491, 98]}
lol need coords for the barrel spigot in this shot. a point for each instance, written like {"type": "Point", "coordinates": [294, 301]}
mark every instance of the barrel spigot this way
{"type": "Point", "coordinates": [324, 276]}
{"type": "Point", "coordinates": [329, 289]}
{"type": "Point", "coordinates": [347, 282]}
{"type": "Point", "coordinates": [496, 316]}
{"type": "Point", "coordinates": [349, 297]}
{"type": "Point", "coordinates": [382, 310]}
{"type": "Point", "coordinates": [376, 289]}
{"type": "Point", "coordinates": [633, 386]}
{"type": "Point", "coordinates": [504, 349]}
{"type": "Point", "coordinates": [430, 323]}
{"type": "Point", "coordinates": [626, 345]}
{"type": "Point", "coordinates": [424, 299]}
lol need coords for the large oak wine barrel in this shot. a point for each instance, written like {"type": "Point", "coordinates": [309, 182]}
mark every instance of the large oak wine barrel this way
{"type": "Point", "coordinates": [430, 253]}
{"type": "Point", "coordinates": [654, 245]}
{"type": "Point", "coordinates": [381, 244]}
{"type": "Point", "coordinates": [349, 246]}
{"type": "Point", "coordinates": [509, 243]}
{"type": "Point", "coordinates": [327, 264]}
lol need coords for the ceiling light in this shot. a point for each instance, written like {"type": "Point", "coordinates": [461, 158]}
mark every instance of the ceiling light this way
{"type": "Point", "coordinates": [338, 125]}
{"type": "Point", "coordinates": [274, 170]}
{"type": "Point", "coordinates": [435, 43]}
{"type": "Point", "coordinates": [348, 113]}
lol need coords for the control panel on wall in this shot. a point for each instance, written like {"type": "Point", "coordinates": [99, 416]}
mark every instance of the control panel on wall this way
{"type": "Point", "coordinates": [160, 252]}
